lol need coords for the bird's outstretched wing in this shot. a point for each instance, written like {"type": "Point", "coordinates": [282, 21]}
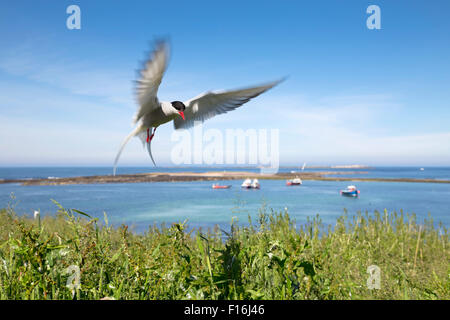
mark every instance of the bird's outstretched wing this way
{"type": "Point", "coordinates": [150, 79]}
{"type": "Point", "coordinates": [210, 104]}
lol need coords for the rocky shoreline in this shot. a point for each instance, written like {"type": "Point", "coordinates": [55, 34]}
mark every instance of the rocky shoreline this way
{"type": "Point", "coordinates": [208, 176]}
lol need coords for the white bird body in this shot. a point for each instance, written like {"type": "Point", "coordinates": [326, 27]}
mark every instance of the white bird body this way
{"type": "Point", "coordinates": [153, 113]}
{"type": "Point", "coordinates": [159, 115]}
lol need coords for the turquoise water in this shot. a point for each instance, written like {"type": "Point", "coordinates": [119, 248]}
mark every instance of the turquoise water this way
{"type": "Point", "coordinates": [442, 173]}
{"type": "Point", "coordinates": [143, 204]}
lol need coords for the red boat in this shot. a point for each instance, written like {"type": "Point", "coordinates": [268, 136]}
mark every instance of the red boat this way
{"type": "Point", "coordinates": [294, 182]}
{"type": "Point", "coordinates": [216, 186]}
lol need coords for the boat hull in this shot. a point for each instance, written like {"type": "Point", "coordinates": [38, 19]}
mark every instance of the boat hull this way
{"type": "Point", "coordinates": [221, 187]}
{"type": "Point", "coordinates": [250, 187]}
{"type": "Point", "coordinates": [353, 193]}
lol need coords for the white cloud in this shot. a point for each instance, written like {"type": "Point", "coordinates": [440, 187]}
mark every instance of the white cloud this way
{"type": "Point", "coordinates": [59, 69]}
{"type": "Point", "coordinates": [351, 129]}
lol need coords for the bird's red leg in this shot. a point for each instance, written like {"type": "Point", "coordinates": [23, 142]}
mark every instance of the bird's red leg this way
{"type": "Point", "coordinates": [148, 134]}
{"type": "Point", "coordinates": [151, 137]}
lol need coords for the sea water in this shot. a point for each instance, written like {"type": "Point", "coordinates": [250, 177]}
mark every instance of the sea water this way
{"type": "Point", "coordinates": [143, 204]}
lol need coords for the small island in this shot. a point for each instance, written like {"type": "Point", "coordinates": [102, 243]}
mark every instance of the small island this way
{"type": "Point", "coordinates": [211, 176]}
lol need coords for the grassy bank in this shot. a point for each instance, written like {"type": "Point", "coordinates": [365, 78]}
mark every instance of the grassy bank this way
{"type": "Point", "coordinates": [271, 258]}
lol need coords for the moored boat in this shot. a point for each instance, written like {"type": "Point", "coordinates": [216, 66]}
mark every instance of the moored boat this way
{"type": "Point", "coordinates": [217, 186]}
{"type": "Point", "coordinates": [351, 191]}
{"type": "Point", "coordinates": [294, 182]}
{"type": "Point", "coordinates": [255, 184]}
{"type": "Point", "coordinates": [247, 184]}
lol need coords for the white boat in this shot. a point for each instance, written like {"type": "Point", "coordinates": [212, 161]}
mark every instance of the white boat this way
{"type": "Point", "coordinates": [247, 183]}
{"type": "Point", "coordinates": [255, 184]}
{"type": "Point", "coordinates": [294, 182]}
{"type": "Point", "coordinates": [421, 169]}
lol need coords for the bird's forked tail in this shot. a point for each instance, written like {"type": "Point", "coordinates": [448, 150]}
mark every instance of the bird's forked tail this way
{"type": "Point", "coordinates": [122, 146]}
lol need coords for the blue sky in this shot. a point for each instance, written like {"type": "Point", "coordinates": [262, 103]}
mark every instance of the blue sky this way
{"type": "Point", "coordinates": [353, 95]}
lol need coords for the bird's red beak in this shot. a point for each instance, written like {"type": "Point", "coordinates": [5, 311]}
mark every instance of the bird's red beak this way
{"type": "Point", "coordinates": [181, 114]}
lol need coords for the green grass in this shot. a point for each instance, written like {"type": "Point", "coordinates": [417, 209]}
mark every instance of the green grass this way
{"type": "Point", "coordinates": [270, 258]}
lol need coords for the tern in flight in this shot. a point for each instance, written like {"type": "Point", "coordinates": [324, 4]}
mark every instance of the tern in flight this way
{"type": "Point", "coordinates": [152, 113]}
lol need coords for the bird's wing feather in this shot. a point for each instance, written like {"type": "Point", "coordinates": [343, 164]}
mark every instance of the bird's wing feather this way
{"type": "Point", "coordinates": [210, 104]}
{"type": "Point", "coordinates": [150, 79]}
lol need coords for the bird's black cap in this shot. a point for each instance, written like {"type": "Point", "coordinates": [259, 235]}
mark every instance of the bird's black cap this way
{"type": "Point", "coordinates": [178, 105]}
